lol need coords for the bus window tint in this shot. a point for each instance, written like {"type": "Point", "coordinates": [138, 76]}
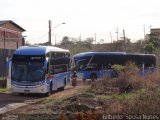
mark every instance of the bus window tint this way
{"type": "Point", "coordinates": [81, 62]}
{"type": "Point", "coordinates": [59, 65]}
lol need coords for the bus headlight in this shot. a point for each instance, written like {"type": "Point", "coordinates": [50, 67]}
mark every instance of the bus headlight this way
{"type": "Point", "coordinates": [38, 84]}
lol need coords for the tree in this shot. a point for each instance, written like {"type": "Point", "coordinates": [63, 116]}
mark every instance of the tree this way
{"type": "Point", "coordinates": [153, 38]}
{"type": "Point", "coordinates": [101, 41]}
{"type": "Point", "coordinates": [45, 44]}
{"type": "Point", "coordinates": [66, 41]}
{"type": "Point", "coordinates": [152, 43]}
{"type": "Point", "coordinates": [149, 47]}
{"type": "Point", "coordinates": [88, 42]}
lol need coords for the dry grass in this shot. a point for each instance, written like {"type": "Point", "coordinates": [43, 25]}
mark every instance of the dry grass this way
{"type": "Point", "coordinates": [144, 95]}
{"type": "Point", "coordinates": [108, 96]}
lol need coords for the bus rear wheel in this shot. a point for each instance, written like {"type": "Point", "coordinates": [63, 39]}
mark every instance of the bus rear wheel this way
{"type": "Point", "coordinates": [93, 77]}
{"type": "Point", "coordinates": [62, 88]}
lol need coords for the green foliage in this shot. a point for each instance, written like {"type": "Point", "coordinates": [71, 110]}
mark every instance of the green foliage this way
{"type": "Point", "coordinates": [152, 43]}
{"type": "Point", "coordinates": [52, 100]}
{"type": "Point", "coordinates": [118, 68]}
{"type": "Point", "coordinates": [153, 38]}
{"type": "Point", "coordinates": [131, 68]}
{"type": "Point", "coordinates": [66, 41]}
{"type": "Point", "coordinates": [4, 90]}
{"type": "Point", "coordinates": [149, 47]}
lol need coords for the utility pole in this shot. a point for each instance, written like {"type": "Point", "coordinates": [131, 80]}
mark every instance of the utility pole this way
{"type": "Point", "coordinates": [95, 37]}
{"type": "Point", "coordinates": [80, 37]}
{"type": "Point", "coordinates": [49, 33]}
{"type": "Point", "coordinates": [55, 40]}
{"type": "Point", "coordinates": [124, 40]}
{"type": "Point", "coordinates": [117, 34]}
{"type": "Point", "coordinates": [144, 32]}
{"type": "Point", "coordinates": [111, 37]}
{"type": "Point", "coordinates": [150, 28]}
{"type": "Point", "coordinates": [4, 39]}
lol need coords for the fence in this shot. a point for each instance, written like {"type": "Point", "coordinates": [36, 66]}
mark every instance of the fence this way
{"type": "Point", "coordinates": [5, 55]}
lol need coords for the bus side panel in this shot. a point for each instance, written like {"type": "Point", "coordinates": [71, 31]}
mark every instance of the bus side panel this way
{"type": "Point", "coordinates": [60, 80]}
{"type": "Point", "coordinates": [106, 73]}
{"type": "Point", "coordinates": [87, 74]}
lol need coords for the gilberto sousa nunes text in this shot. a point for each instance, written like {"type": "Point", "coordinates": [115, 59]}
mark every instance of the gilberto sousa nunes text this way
{"type": "Point", "coordinates": [131, 117]}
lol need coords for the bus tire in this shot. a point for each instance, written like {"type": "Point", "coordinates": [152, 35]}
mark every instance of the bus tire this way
{"type": "Point", "coordinates": [65, 82]}
{"type": "Point", "coordinates": [93, 76]}
{"type": "Point", "coordinates": [14, 94]}
{"type": "Point", "coordinates": [21, 94]}
{"type": "Point", "coordinates": [61, 88]}
{"type": "Point", "coordinates": [50, 90]}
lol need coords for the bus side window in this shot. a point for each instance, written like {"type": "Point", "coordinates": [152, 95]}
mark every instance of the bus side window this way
{"type": "Point", "coordinates": [51, 70]}
{"type": "Point", "coordinates": [109, 66]}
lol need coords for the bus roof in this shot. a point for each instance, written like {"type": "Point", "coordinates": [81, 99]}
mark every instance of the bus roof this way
{"type": "Point", "coordinates": [37, 50]}
{"type": "Point", "coordinates": [141, 54]}
{"type": "Point", "coordinates": [98, 53]}
{"type": "Point", "coordinates": [109, 53]}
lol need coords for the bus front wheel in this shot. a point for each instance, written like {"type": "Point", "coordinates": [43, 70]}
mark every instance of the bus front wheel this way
{"type": "Point", "coordinates": [50, 90]}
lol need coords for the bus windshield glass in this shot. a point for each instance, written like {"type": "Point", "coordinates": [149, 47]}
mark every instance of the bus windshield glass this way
{"type": "Point", "coordinates": [28, 68]}
{"type": "Point", "coordinates": [82, 62]}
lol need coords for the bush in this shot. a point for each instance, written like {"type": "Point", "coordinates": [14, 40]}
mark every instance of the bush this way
{"type": "Point", "coordinates": [147, 102]}
{"type": "Point", "coordinates": [117, 69]}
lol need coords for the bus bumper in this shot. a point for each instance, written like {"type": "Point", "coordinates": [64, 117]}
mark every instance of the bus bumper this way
{"type": "Point", "coordinates": [30, 89]}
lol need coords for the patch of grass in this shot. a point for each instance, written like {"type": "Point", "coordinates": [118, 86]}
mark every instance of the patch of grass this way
{"type": "Point", "coordinates": [61, 100]}
{"type": "Point", "coordinates": [4, 90]}
{"type": "Point", "coordinates": [87, 94]}
{"type": "Point", "coordinates": [121, 97]}
{"type": "Point", "coordinates": [2, 78]}
{"type": "Point", "coordinates": [124, 96]}
{"type": "Point", "coordinates": [53, 100]}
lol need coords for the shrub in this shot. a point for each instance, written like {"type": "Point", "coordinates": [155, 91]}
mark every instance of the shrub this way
{"type": "Point", "coordinates": [117, 69]}
{"type": "Point", "coordinates": [147, 102]}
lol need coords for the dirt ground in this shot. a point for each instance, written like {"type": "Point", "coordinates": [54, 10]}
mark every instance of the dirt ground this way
{"type": "Point", "coordinates": [8, 98]}
{"type": "Point", "coordinates": [69, 91]}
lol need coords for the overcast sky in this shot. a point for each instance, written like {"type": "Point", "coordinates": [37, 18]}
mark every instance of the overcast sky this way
{"type": "Point", "coordinates": [85, 17]}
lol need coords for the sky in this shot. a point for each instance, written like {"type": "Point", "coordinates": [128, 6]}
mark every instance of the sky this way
{"type": "Point", "coordinates": [85, 18]}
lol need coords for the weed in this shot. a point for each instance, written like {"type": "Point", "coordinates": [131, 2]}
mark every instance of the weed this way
{"type": "Point", "coordinates": [4, 90]}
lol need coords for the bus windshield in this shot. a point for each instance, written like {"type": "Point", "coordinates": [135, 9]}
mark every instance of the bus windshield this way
{"type": "Point", "coordinates": [27, 69]}
{"type": "Point", "coordinates": [82, 62]}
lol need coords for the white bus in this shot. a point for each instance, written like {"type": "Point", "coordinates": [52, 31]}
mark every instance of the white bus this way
{"type": "Point", "coordinates": [40, 69]}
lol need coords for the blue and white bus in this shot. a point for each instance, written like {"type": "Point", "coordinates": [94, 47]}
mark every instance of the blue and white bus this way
{"type": "Point", "coordinates": [40, 69]}
{"type": "Point", "coordinates": [93, 65]}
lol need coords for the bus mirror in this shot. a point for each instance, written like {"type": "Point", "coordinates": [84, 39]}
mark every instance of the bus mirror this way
{"type": "Point", "coordinates": [49, 76]}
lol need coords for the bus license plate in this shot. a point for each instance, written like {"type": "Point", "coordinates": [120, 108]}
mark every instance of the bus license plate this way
{"type": "Point", "coordinates": [26, 91]}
